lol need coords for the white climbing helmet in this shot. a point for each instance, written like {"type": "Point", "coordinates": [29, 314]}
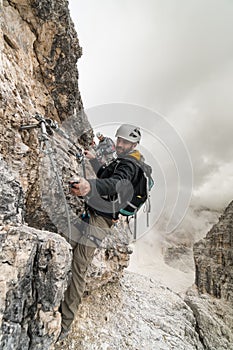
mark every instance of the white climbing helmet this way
{"type": "Point", "coordinates": [129, 132]}
{"type": "Point", "coordinates": [99, 134]}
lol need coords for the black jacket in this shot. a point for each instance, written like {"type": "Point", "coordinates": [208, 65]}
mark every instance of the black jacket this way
{"type": "Point", "coordinates": [113, 182]}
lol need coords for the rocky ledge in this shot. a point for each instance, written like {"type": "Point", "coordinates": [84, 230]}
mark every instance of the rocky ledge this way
{"type": "Point", "coordinates": [139, 313]}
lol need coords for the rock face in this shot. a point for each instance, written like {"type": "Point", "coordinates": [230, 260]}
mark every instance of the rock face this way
{"type": "Point", "coordinates": [38, 76]}
{"type": "Point", "coordinates": [34, 270]}
{"type": "Point", "coordinates": [139, 313]}
{"type": "Point", "coordinates": [214, 259]}
{"type": "Point", "coordinates": [136, 313]}
{"type": "Point", "coordinates": [11, 197]}
{"type": "Point", "coordinates": [39, 51]}
{"type": "Point", "coordinates": [214, 320]}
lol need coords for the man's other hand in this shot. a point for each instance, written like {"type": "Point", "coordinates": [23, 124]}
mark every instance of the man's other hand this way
{"type": "Point", "coordinates": [89, 154]}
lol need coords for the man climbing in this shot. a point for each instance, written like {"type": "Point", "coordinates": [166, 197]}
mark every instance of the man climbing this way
{"type": "Point", "coordinates": [105, 149]}
{"type": "Point", "coordinates": [104, 196]}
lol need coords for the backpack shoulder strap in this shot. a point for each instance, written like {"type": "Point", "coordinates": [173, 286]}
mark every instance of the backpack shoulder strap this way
{"type": "Point", "coordinates": [134, 161]}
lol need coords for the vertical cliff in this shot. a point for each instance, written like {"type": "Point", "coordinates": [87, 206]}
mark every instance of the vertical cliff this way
{"type": "Point", "coordinates": [38, 74]}
{"type": "Point", "coordinates": [214, 259]}
{"type": "Point", "coordinates": [212, 304]}
{"type": "Point", "coordinates": [39, 50]}
{"type": "Point", "coordinates": [34, 270]}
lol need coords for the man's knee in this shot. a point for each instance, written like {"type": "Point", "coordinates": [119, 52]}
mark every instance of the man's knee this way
{"type": "Point", "coordinates": [83, 254]}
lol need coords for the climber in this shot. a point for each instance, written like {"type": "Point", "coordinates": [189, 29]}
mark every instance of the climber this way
{"type": "Point", "coordinates": [105, 149]}
{"type": "Point", "coordinates": [101, 211]}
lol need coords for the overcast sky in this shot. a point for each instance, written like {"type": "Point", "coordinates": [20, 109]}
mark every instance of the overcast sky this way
{"type": "Point", "coordinates": [174, 57]}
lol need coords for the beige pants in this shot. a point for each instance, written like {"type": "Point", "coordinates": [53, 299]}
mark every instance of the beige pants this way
{"type": "Point", "coordinates": [83, 253]}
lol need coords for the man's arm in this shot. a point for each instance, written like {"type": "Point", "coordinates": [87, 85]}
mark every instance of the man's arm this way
{"type": "Point", "coordinates": [124, 171]}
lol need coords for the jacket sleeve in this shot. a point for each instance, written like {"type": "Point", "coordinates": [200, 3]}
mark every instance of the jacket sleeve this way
{"type": "Point", "coordinates": [125, 170]}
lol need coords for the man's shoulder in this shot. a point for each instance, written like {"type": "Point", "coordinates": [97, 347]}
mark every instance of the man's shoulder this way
{"type": "Point", "coordinates": [136, 163]}
{"type": "Point", "coordinates": [127, 160]}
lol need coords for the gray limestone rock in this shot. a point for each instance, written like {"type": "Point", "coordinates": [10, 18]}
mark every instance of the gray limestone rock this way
{"type": "Point", "coordinates": [34, 269]}
{"type": "Point", "coordinates": [136, 313]}
{"type": "Point", "coordinates": [11, 197]}
{"type": "Point", "coordinates": [139, 313]}
{"type": "Point", "coordinates": [214, 320]}
{"type": "Point", "coordinates": [213, 257]}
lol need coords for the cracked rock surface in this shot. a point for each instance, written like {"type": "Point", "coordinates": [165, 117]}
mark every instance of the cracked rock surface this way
{"type": "Point", "coordinates": [139, 313]}
{"type": "Point", "coordinates": [136, 313]}
{"type": "Point", "coordinates": [33, 277]}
